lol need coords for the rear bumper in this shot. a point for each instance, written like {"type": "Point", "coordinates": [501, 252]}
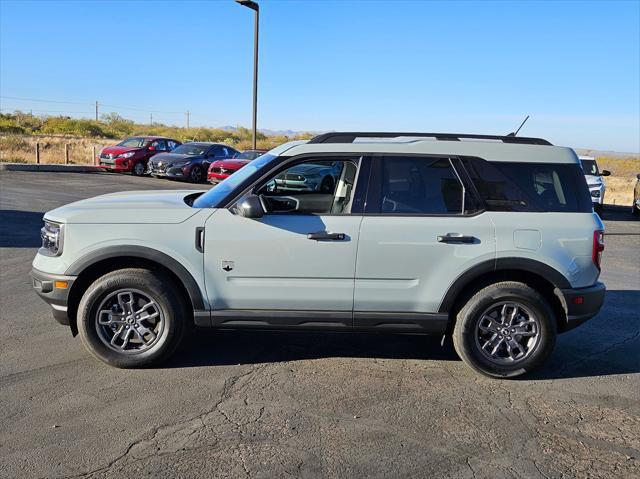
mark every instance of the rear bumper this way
{"type": "Point", "coordinates": [57, 297]}
{"type": "Point", "coordinates": [582, 304]}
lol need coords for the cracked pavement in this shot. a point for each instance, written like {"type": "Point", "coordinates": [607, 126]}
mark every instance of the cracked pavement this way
{"type": "Point", "coordinates": [254, 404]}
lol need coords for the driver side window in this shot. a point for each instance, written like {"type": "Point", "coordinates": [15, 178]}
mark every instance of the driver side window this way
{"type": "Point", "coordinates": [311, 187]}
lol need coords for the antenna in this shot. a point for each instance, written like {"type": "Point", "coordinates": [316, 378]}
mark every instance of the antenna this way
{"type": "Point", "coordinates": [515, 133]}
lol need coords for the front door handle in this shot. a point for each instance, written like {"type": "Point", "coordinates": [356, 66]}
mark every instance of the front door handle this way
{"type": "Point", "coordinates": [324, 236]}
{"type": "Point", "coordinates": [456, 238]}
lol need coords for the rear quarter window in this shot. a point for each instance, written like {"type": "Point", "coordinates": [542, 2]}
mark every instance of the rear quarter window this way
{"type": "Point", "coordinates": [519, 186]}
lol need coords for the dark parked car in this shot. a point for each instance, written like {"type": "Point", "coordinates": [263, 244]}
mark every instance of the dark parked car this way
{"type": "Point", "coordinates": [189, 161]}
{"type": "Point", "coordinates": [219, 170]}
{"type": "Point", "coordinates": [318, 177]}
{"type": "Point", "coordinates": [132, 154]}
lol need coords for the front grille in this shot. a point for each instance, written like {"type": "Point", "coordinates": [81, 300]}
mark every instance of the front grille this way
{"type": "Point", "coordinates": [293, 177]}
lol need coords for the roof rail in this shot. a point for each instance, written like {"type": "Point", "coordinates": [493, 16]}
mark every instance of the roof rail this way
{"type": "Point", "coordinates": [349, 137]}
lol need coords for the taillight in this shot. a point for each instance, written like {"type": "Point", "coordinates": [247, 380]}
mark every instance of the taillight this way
{"type": "Point", "coordinates": [598, 247]}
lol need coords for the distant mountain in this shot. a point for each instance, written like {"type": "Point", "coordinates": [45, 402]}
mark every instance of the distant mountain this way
{"type": "Point", "coordinates": [268, 132]}
{"type": "Point", "coordinates": [596, 153]}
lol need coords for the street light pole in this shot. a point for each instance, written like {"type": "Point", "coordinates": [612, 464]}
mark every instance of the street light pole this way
{"type": "Point", "coordinates": [256, 8]}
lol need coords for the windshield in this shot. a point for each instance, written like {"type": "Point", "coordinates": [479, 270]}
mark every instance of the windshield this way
{"type": "Point", "coordinates": [213, 197]}
{"type": "Point", "coordinates": [248, 155]}
{"type": "Point", "coordinates": [134, 142]}
{"type": "Point", "coordinates": [191, 149]}
{"type": "Point", "coordinates": [590, 167]}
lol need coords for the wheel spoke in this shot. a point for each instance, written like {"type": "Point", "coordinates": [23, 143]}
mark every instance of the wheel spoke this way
{"type": "Point", "coordinates": [112, 318]}
{"type": "Point", "coordinates": [143, 331]}
{"type": "Point", "coordinates": [125, 300]}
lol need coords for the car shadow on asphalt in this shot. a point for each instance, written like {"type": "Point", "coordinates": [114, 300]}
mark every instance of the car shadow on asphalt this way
{"type": "Point", "coordinates": [21, 229]}
{"type": "Point", "coordinates": [617, 213]}
{"type": "Point", "coordinates": [582, 352]}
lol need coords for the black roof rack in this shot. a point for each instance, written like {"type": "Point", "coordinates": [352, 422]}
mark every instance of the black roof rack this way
{"type": "Point", "coordinates": [349, 137]}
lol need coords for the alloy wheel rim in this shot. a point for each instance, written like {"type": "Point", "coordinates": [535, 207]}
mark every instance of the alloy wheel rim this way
{"type": "Point", "coordinates": [507, 333]}
{"type": "Point", "coordinates": [139, 168]}
{"type": "Point", "coordinates": [196, 175]}
{"type": "Point", "coordinates": [129, 321]}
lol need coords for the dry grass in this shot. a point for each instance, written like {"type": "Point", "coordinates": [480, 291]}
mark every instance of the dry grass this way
{"type": "Point", "coordinates": [22, 149]}
{"type": "Point", "coordinates": [622, 180]}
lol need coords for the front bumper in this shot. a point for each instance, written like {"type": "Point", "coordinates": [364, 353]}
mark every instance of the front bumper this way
{"type": "Point", "coordinates": [582, 304]}
{"type": "Point", "coordinates": [49, 288]}
{"type": "Point", "coordinates": [597, 194]}
{"type": "Point", "coordinates": [115, 167]}
{"type": "Point", "coordinates": [173, 173]}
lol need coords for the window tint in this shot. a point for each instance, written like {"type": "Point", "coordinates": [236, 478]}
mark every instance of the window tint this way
{"type": "Point", "coordinates": [415, 185]}
{"type": "Point", "coordinates": [312, 187]}
{"type": "Point", "coordinates": [159, 145]}
{"type": "Point", "coordinates": [511, 186]}
{"type": "Point", "coordinates": [171, 144]}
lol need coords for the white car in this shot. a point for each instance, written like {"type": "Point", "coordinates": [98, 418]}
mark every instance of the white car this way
{"type": "Point", "coordinates": [596, 185]}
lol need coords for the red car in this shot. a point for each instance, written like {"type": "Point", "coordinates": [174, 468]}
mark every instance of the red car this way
{"type": "Point", "coordinates": [221, 169]}
{"type": "Point", "coordinates": [133, 153]}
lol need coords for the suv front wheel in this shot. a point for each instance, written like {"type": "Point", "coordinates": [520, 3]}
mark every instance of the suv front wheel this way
{"type": "Point", "coordinates": [505, 330]}
{"type": "Point", "coordinates": [131, 318]}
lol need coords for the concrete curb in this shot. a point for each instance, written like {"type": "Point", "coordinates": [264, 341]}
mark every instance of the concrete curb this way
{"type": "Point", "coordinates": [49, 168]}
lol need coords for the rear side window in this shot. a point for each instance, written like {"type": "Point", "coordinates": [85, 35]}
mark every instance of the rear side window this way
{"type": "Point", "coordinates": [414, 185]}
{"type": "Point", "coordinates": [517, 186]}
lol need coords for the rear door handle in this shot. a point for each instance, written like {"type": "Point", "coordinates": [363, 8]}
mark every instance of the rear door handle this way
{"type": "Point", "coordinates": [324, 236]}
{"type": "Point", "coordinates": [456, 238]}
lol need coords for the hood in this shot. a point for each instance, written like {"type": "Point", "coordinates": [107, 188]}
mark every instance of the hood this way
{"type": "Point", "coordinates": [168, 158]}
{"type": "Point", "coordinates": [231, 164]}
{"type": "Point", "coordinates": [118, 150]}
{"type": "Point", "coordinates": [593, 180]}
{"type": "Point", "coordinates": [127, 207]}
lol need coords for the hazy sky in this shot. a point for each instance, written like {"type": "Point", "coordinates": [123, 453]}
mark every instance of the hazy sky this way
{"type": "Point", "coordinates": [472, 67]}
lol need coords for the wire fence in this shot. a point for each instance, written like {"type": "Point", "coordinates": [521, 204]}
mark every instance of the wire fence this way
{"type": "Point", "coordinates": [49, 149]}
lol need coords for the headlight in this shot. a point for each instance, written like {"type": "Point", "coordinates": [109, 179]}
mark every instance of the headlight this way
{"type": "Point", "coordinates": [128, 154]}
{"type": "Point", "coordinates": [52, 239]}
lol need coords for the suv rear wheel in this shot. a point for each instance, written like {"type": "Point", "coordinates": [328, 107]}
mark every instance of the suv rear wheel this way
{"type": "Point", "coordinates": [505, 330]}
{"type": "Point", "coordinates": [131, 318]}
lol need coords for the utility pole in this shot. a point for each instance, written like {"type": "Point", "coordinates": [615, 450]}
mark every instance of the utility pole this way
{"type": "Point", "coordinates": [187, 114]}
{"type": "Point", "coordinates": [151, 119]}
{"type": "Point", "coordinates": [96, 110]}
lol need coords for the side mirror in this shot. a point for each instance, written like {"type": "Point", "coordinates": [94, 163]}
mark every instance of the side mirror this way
{"type": "Point", "coordinates": [605, 173]}
{"type": "Point", "coordinates": [152, 148]}
{"type": "Point", "coordinates": [250, 207]}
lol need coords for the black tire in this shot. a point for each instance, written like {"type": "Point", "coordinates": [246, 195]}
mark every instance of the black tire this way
{"type": "Point", "coordinates": [467, 323]}
{"type": "Point", "coordinates": [138, 169]}
{"type": "Point", "coordinates": [196, 175]}
{"type": "Point", "coordinates": [635, 211]}
{"type": "Point", "coordinates": [327, 185]}
{"type": "Point", "coordinates": [160, 289]}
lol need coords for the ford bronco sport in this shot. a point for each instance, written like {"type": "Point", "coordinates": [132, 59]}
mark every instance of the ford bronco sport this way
{"type": "Point", "coordinates": [489, 239]}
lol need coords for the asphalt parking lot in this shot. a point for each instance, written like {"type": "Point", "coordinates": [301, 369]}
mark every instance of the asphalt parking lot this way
{"type": "Point", "coordinates": [236, 404]}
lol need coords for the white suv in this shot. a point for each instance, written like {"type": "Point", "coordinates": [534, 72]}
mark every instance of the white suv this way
{"type": "Point", "coordinates": [596, 185]}
{"type": "Point", "coordinates": [489, 239]}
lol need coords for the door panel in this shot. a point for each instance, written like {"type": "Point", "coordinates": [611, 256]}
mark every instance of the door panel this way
{"type": "Point", "coordinates": [402, 267]}
{"type": "Point", "coordinates": [271, 264]}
